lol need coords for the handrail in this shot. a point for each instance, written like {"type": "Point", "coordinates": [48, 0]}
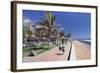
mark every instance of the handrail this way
{"type": "Point", "coordinates": [69, 55]}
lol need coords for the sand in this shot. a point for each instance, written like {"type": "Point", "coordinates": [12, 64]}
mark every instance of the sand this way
{"type": "Point", "coordinates": [82, 50]}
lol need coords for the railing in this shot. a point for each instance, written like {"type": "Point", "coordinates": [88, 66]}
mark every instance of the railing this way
{"type": "Point", "coordinates": [70, 51]}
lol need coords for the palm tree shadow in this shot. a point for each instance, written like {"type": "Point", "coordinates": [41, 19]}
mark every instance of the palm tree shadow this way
{"type": "Point", "coordinates": [59, 54]}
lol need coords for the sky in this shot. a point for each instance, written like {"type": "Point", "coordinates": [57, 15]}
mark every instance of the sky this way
{"type": "Point", "coordinates": [79, 24]}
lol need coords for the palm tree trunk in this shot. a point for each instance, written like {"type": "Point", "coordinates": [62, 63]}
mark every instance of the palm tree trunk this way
{"type": "Point", "coordinates": [48, 42]}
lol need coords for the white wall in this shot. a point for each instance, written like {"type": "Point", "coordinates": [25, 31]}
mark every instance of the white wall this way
{"type": "Point", "coordinates": [5, 37]}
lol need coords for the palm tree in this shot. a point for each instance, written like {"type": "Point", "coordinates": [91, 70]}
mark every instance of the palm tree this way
{"type": "Point", "coordinates": [62, 36]}
{"type": "Point", "coordinates": [28, 29]}
{"type": "Point", "coordinates": [48, 23]}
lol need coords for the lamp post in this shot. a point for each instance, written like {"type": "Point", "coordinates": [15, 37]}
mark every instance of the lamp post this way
{"type": "Point", "coordinates": [70, 51]}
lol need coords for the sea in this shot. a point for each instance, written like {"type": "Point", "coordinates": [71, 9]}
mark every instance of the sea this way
{"type": "Point", "coordinates": [86, 41]}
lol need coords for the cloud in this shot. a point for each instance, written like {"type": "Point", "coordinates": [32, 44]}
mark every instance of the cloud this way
{"type": "Point", "coordinates": [26, 20]}
{"type": "Point", "coordinates": [60, 25]}
{"type": "Point", "coordinates": [61, 28]}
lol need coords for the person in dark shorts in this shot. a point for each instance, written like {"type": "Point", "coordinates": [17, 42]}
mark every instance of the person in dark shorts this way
{"type": "Point", "coordinates": [63, 49]}
{"type": "Point", "coordinates": [60, 48]}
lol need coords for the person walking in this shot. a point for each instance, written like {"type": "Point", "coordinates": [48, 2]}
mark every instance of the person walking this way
{"type": "Point", "coordinates": [60, 48]}
{"type": "Point", "coordinates": [63, 49]}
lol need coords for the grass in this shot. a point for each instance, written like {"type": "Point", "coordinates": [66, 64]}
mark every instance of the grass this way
{"type": "Point", "coordinates": [40, 48]}
{"type": "Point", "coordinates": [46, 48]}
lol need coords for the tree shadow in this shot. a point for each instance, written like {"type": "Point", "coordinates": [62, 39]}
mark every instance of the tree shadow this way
{"type": "Point", "coordinates": [59, 54]}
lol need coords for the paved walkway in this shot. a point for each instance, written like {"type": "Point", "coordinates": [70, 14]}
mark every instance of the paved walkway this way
{"type": "Point", "coordinates": [73, 54]}
{"type": "Point", "coordinates": [50, 55]}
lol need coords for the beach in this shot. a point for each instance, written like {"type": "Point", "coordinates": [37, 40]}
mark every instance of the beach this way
{"type": "Point", "coordinates": [82, 50]}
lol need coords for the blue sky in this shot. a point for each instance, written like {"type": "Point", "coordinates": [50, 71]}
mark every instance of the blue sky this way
{"type": "Point", "coordinates": [77, 23]}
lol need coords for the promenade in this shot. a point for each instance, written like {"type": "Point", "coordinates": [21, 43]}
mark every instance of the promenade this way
{"type": "Point", "coordinates": [79, 51]}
